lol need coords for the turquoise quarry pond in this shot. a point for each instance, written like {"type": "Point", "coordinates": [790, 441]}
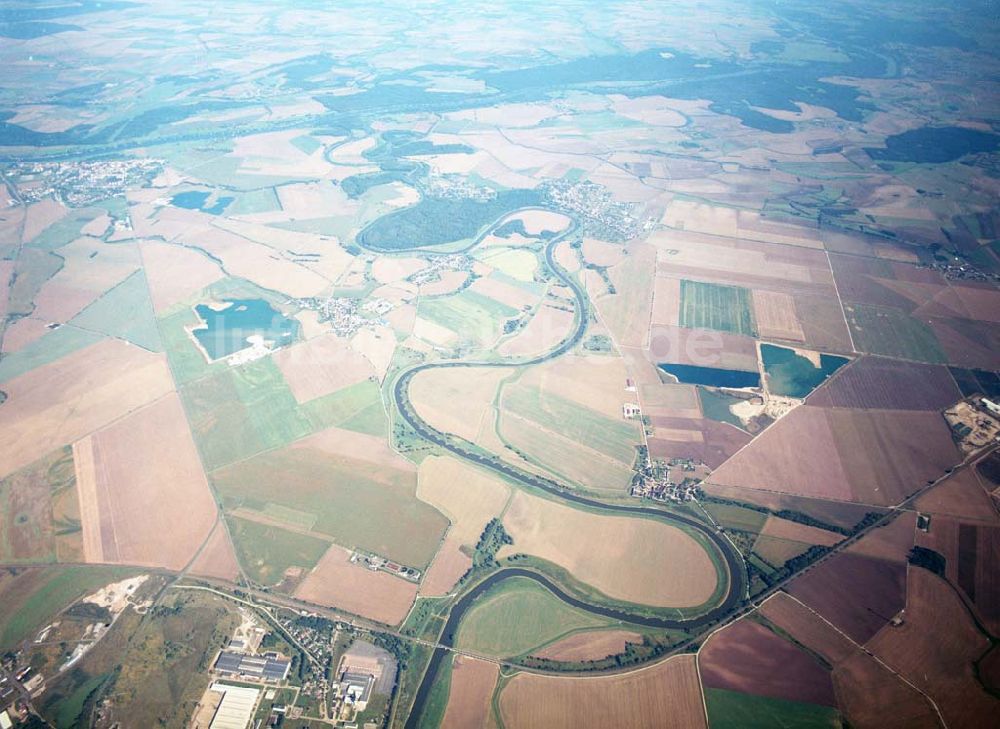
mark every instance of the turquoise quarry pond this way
{"type": "Point", "coordinates": [226, 329]}
{"type": "Point", "coordinates": [792, 375]}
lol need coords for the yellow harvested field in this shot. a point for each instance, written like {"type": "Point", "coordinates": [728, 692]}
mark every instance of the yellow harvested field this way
{"type": "Point", "coordinates": [356, 446]}
{"type": "Point", "coordinates": [89, 269]}
{"type": "Point", "coordinates": [387, 270]}
{"type": "Point", "coordinates": [434, 393]}
{"type": "Point", "coordinates": [472, 682]}
{"type": "Point", "coordinates": [666, 695]}
{"type": "Point", "coordinates": [311, 325]}
{"type": "Point", "coordinates": [176, 273]}
{"type": "Point", "coordinates": [217, 558]}
{"type": "Point", "coordinates": [600, 253]}
{"type": "Point", "coordinates": [23, 332]}
{"type": "Point", "coordinates": [242, 257]}
{"type": "Point", "coordinates": [638, 560]}
{"type": "Point", "coordinates": [699, 217]}
{"type": "Point", "coordinates": [627, 312]}
{"type": "Point", "coordinates": [449, 282]}
{"type": "Point", "coordinates": [514, 262]}
{"type": "Point", "coordinates": [546, 329]}
{"type": "Point", "coordinates": [338, 583]}
{"type": "Point", "coordinates": [590, 645]}
{"type": "Point", "coordinates": [593, 381]}
{"type": "Point", "coordinates": [666, 302]}
{"type": "Point", "coordinates": [377, 346]}
{"type": "Point", "coordinates": [432, 332]}
{"type": "Point", "coordinates": [62, 402]}
{"type": "Point", "coordinates": [776, 317]}
{"type": "Point", "coordinates": [321, 365]}
{"type": "Point", "coordinates": [403, 318]}
{"type": "Point", "coordinates": [41, 215]}
{"type": "Point", "coordinates": [785, 529]}
{"type": "Point", "coordinates": [326, 257]}
{"type": "Point", "coordinates": [503, 292]}
{"type": "Point", "coordinates": [153, 503]}
{"type": "Point", "coordinates": [469, 497]}
{"type": "Point", "coordinates": [567, 456]}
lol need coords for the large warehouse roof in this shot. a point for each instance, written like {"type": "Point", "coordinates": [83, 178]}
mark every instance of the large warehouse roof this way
{"type": "Point", "coordinates": [236, 708]}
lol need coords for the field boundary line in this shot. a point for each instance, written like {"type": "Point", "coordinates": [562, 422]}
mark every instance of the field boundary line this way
{"type": "Point", "coordinates": [878, 660]}
{"type": "Point", "coordinates": [840, 301]}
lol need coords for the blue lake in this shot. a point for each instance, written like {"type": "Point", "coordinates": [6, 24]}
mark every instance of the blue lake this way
{"type": "Point", "coordinates": [711, 376]}
{"type": "Point", "coordinates": [196, 199]}
{"type": "Point", "coordinates": [226, 330]}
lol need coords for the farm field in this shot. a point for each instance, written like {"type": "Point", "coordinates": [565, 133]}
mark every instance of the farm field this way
{"type": "Point", "coordinates": [354, 502]}
{"type": "Point", "coordinates": [635, 565]}
{"type": "Point", "coordinates": [732, 709]}
{"type": "Point", "coordinates": [269, 554]}
{"type": "Point", "coordinates": [589, 645]}
{"type": "Point", "coordinates": [633, 699]}
{"type": "Point", "coordinates": [517, 616]}
{"type": "Point", "coordinates": [127, 514]}
{"type": "Point", "coordinates": [472, 682]}
{"type": "Point", "coordinates": [869, 456]}
{"type": "Point", "coordinates": [476, 387]}
{"type": "Point", "coordinates": [887, 384]}
{"type": "Point", "coordinates": [627, 311]}
{"type": "Point", "coordinates": [469, 498]}
{"type": "Point", "coordinates": [748, 658]}
{"type": "Point", "coordinates": [60, 402]}
{"type": "Point", "coordinates": [893, 333]}
{"type": "Point", "coordinates": [970, 552]}
{"type": "Point", "coordinates": [567, 417]}
{"type": "Point", "coordinates": [867, 692]}
{"type": "Point", "coordinates": [711, 306]}
{"type": "Point", "coordinates": [337, 582]}
{"type": "Point", "coordinates": [237, 413]}
{"type": "Point", "coordinates": [474, 317]}
{"type": "Point", "coordinates": [935, 648]}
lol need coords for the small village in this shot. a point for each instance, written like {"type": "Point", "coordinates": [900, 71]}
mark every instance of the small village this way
{"type": "Point", "coordinates": [602, 216]}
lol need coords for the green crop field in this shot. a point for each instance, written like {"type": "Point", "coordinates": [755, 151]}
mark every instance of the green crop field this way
{"type": "Point", "coordinates": [736, 517]}
{"type": "Point", "coordinates": [470, 315]}
{"type": "Point", "coordinates": [34, 267]}
{"type": "Point", "coordinates": [45, 350]}
{"type": "Point", "coordinates": [267, 551]}
{"type": "Point", "coordinates": [614, 438]}
{"type": "Point", "coordinates": [518, 616]}
{"type": "Point", "coordinates": [237, 412]}
{"type": "Point", "coordinates": [125, 312]}
{"type": "Point", "coordinates": [892, 332]}
{"type": "Point", "coordinates": [65, 230]}
{"type": "Point", "coordinates": [731, 709]}
{"type": "Point", "coordinates": [355, 503]}
{"type": "Point", "coordinates": [715, 306]}
{"type": "Point", "coordinates": [33, 597]}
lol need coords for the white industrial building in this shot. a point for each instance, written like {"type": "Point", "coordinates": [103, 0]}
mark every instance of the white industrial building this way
{"type": "Point", "coordinates": [236, 708]}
